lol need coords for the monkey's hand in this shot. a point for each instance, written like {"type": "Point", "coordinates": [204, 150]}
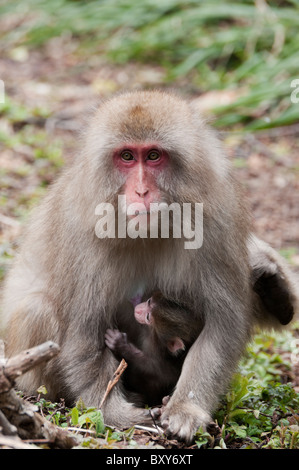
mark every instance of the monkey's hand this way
{"type": "Point", "coordinates": [121, 347]}
{"type": "Point", "coordinates": [181, 420]}
{"type": "Point", "coordinates": [116, 340]}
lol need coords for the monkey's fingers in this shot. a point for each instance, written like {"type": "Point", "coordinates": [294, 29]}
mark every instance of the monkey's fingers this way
{"type": "Point", "coordinates": [110, 344]}
{"type": "Point", "coordinates": [165, 400]}
{"type": "Point", "coordinates": [110, 339]}
{"type": "Point", "coordinates": [157, 411]}
{"type": "Point", "coordinates": [213, 429]}
{"type": "Point", "coordinates": [111, 332]}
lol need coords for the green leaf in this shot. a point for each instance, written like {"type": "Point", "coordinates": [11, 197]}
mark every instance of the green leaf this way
{"type": "Point", "coordinates": [42, 390]}
{"type": "Point", "coordinates": [75, 416]}
{"type": "Point", "coordinates": [240, 431]}
{"type": "Point", "coordinates": [100, 426]}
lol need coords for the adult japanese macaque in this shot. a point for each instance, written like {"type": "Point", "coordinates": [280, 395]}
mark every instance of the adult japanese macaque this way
{"type": "Point", "coordinates": [75, 275]}
{"type": "Point", "coordinates": [154, 369]}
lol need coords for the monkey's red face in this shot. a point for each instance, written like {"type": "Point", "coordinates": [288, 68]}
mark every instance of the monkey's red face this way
{"type": "Point", "coordinates": [141, 164]}
{"type": "Point", "coordinates": [143, 312]}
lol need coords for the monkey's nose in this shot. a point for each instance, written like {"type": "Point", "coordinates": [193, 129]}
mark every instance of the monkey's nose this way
{"type": "Point", "coordinates": [141, 192]}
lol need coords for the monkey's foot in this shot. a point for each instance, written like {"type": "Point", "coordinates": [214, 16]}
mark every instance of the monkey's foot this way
{"type": "Point", "coordinates": [125, 415]}
{"type": "Point", "coordinates": [181, 421]}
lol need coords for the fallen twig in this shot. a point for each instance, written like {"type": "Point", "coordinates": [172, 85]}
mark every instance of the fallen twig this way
{"type": "Point", "coordinates": [18, 418]}
{"type": "Point", "coordinates": [156, 430]}
{"type": "Point", "coordinates": [26, 360]}
{"type": "Point", "coordinates": [116, 376]}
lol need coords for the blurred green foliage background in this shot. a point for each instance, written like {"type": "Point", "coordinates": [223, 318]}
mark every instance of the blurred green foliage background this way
{"type": "Point", "coordinates": [250, 45]}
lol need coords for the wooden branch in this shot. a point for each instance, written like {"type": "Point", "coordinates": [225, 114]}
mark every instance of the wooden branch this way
{"type": "Point", "coordinates": [18, 418]}
{"type": "Point", "coordinates": [116, 376]}
{"type": "Point", "coordinates": [26, 360]}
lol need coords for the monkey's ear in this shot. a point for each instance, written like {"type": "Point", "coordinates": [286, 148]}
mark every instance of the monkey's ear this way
{"type": "Point", "coordinates": [175, 345]}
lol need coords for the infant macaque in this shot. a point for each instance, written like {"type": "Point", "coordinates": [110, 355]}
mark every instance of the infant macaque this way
{"type": "Point", "coordinates": [154, 369]}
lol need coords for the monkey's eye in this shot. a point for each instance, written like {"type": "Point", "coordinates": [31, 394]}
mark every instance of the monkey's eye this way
{"type": "Point", "coordinates": [153, 155]}
{"type": "Point", "coordinates": [148, 317]}
{"type": "Point", "coordinates": [127, 156]}
{"type": "Point", "coordinates": [149, 301]}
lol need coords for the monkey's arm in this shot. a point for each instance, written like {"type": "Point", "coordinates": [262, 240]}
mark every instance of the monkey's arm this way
{"type": "Point", "coordinates": [211, 360]}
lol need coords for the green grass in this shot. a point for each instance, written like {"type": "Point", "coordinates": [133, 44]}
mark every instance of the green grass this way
{"type": "Point", "coordinates": [261, 411]}
{"type": "Point", "coordinates": [212, 44]}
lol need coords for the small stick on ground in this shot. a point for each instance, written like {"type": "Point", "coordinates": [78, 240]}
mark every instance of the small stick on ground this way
{"type": "Point", "coordinates": [116, 376]}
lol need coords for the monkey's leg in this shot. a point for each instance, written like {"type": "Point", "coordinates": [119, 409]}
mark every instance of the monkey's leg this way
{"type": "Point", "coordinates": [87, 375]}
{"type": "Point", "coordinates": [206, 373]}
{"type": "Point", "coordinates": [81, 369]}
{"type": "Point", "coordinates": [276, 285]}
{"type": "Point", "coordinates": [31, 322]}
